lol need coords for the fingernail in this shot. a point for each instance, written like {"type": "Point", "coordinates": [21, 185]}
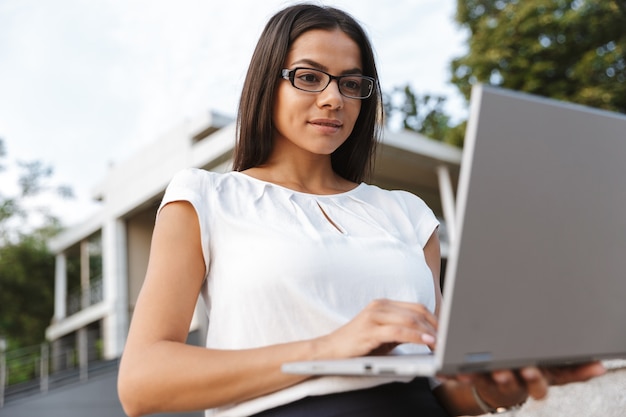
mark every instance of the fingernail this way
{"type": "Point", "coordinates": [501, 377]}
{"type": "Point", "coordinates": [530, 373]}
{"type": "Point", "coordinates": [428, 339]}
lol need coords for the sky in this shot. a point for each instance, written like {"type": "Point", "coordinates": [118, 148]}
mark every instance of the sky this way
{"type": "Point", "coordinates": [86, 83]}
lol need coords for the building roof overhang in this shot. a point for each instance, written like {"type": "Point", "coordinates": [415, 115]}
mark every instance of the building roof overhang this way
{"type": "Point", "coordinates": [405, 160]}
{"type": "Point", "coordinates": [409, 161]}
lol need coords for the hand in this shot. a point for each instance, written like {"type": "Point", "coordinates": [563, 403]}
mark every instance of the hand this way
{"type": "Point", "coordinates": [380, 327]}
{"type": "Point", "coordinates": [538, 379]}
{"type": "Point", "coordinates": [507, 388]}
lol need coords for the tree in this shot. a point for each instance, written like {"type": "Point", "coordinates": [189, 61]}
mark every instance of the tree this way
{"type": "Point", "coordinates": [26, 265]}
{"type": "Point", "coordinates": [572, 50]}
{"type": "Point", "coordinates": [26, 291]}
{"type": "Point", "coordinates": [423, 114]}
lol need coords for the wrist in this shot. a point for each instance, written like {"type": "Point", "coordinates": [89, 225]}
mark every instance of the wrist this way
{"type": "Point", "coordinates": [489, 409]}
{"type": "Point", "coordinates": [321, 348]}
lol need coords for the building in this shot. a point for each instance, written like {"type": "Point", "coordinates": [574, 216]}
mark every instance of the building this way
{"type": "Point", "coordinates": [101, 263]}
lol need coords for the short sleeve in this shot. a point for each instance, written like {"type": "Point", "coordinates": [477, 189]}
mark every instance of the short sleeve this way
{"type": "Point", "coordinates": [427, 224]}
{"type": "Point", "coordinates": [424, 220]}
{"type": "Point", "coordinates": [193, 185]}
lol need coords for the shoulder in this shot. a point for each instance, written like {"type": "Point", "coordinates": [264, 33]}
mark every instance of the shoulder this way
{"type": "Point", "coordinates": [191, 177]}
{"type": "Point", "coordinates": [191, 184]}
{"type": "Point", "coordinates": [200, 181]}
{"type": "Point", "coordinates": [406, 210]}
{"type": "Point", "coordinates": [404, 199]}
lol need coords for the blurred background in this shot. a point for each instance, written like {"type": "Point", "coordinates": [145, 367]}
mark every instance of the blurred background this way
{"type": "Point", "coordinates": [90, 90]}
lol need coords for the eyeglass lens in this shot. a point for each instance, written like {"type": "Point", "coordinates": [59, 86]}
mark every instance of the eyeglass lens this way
{"type": "Point", "coordinates": [356, 86]}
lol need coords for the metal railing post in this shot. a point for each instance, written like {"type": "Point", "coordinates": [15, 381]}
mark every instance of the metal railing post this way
{"type": "Point", "coordinates": [44, 367]}
{"type": "Point", "coordinates": [3, 369]}
{"type": "Point", "coordinates": [83, 359]}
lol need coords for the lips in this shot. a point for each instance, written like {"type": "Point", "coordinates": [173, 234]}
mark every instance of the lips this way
{"type": "Point", "coordinates": [327, 123]}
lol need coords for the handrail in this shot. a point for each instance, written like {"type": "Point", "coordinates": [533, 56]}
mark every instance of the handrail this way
{"type": "Point", "coordinates": [37, 368]}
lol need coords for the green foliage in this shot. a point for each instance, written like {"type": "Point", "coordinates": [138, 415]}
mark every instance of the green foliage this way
{"type": "Point", "coordinates": [23, 364]}
{"type": "Point", "coordinates": [26, 265]}
{"type": "Point", "coordinates": [18, 211]}
{"type": "Point", "coordinates": [573, 50]}
{"type": "Point", "coordinates": [26, 290]}
{"type": "Point", "coordinates": [423, 114]}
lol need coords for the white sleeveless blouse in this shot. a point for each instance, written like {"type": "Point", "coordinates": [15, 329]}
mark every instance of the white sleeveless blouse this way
{"type": "Point", "coordinates": [284, 265]}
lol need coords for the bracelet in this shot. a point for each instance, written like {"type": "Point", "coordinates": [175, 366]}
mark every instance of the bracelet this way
{"type": "Point", "coordinates": [489, 409]}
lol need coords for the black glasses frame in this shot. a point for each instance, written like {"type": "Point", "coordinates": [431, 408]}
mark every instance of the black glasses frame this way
{"type": "Point", "coordinates": [290, 74]}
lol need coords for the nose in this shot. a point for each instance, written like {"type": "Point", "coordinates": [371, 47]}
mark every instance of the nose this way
{"type": "Point", "coordinates": [331, 96]}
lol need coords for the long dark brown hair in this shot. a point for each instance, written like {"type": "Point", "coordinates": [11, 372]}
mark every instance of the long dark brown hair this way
{"type": "Point", "coordinates": [353, 160]}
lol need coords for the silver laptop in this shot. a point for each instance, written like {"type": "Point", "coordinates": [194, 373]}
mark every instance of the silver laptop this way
{"type": "Point", "coordinates": [537, 273]}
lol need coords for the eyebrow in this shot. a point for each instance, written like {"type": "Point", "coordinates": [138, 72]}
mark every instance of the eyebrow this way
{"type": "Point", "coordinates": [317, 65]}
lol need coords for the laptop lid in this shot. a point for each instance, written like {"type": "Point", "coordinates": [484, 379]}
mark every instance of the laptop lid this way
{"type": "Point", "coordinates": [537, 274]}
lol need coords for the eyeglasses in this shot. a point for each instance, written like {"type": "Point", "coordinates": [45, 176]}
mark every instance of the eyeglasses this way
{"type": "Point", "coordinates": [314, 80]}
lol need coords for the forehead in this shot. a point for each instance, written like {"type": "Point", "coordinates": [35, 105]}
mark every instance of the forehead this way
{"type": "Point", "coordinates": [329, 49]}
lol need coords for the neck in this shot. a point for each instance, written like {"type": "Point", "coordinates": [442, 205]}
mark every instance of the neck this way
{"type": "Point", "coordinates": [308, 173]}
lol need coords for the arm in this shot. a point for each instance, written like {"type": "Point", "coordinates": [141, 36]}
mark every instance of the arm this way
{"type": "Point", "coordinates": [432, 253]}
{"type": "Point", "coordinates": [159, 373]}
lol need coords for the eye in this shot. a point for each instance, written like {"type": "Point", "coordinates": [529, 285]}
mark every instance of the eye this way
{"type": "Point", "coordinates": [308, 78]}
{"type": "Point", "coordinates": [352, 84]}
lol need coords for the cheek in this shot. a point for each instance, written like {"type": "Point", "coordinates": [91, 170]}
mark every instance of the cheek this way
{"type": "Point", "coordinates": [284, 103]}
{"type": "Point", "coordinates": [278, 109]}
{"type": "Point", "coordinates": [353, 112]}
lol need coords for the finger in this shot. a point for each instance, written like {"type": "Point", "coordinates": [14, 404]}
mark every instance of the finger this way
{"type": "Point", "coordinates": [506, 381]}
{"type": "Point", "coordinates": [416, 308]}
{"type": "Point", "coordinates": [398, 333]}
{"type": "Point", "coordinates": [414, 319]}
{"type": "Point", "coordinates": [578, 373]}
{"type": "Point", "coordinates": [536, 382]}
{"type": "Point", "coordinates": [429, 340]}
{"type": "Point", "coordinates": [503, 381]}
{"type": "Point", "coordinates": [426, 314]}
{"type": "Point", "coordinates": [403, 320]}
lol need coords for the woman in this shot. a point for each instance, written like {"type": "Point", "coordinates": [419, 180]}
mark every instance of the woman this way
{"type": "Point", "coordinates": [297, 258]}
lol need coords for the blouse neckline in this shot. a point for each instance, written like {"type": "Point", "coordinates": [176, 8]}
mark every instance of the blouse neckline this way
{"type": "Point", "coordinates": [282, 187]}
